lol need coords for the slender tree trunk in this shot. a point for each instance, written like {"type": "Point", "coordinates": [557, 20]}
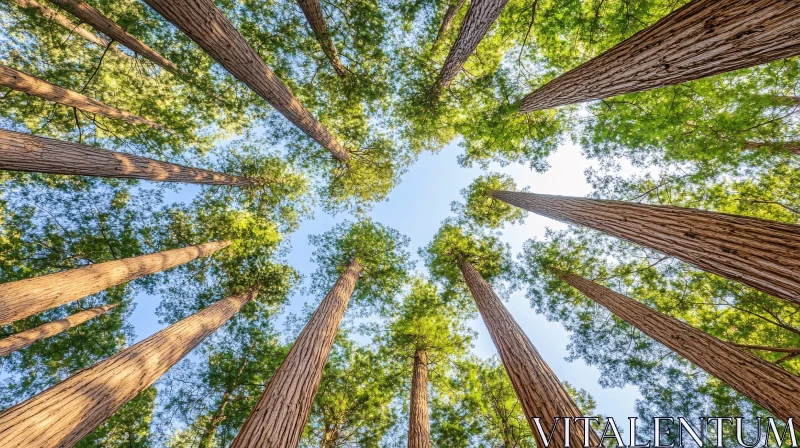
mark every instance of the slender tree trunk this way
{"type": "Point", "coordinates": [773, 388]}
{"type": "Point", "coordinates": [447, 20]}
{"type": "Point", "coordinates": [63, 414]}
{"type": "Point", "coordinates": [481, 15]}
{"type": "Point", "coordinates": [419, 428]}
{"type": "Point", "coordinates": [313, 12]}
{"type": "Point", "coordinates": [703, 38]}
{"type": "Point", "coordinates": [24, 298]}
{"type": "Point", "coordinates": [762, 254]}
{"type": "Point", "coordinates": [54, 16]}
{"type": "Point", "coordinates": [330, 438]}
{"type": "Point", "coordinates": [205, 24]}
{"type": "Point", "coordinates": [793, 147]}
{"type": "Point", "coordinates": [25, 152]}
{"type": "Point", "coordinates": [23, 82]}
{"type": "Point", "coordinates": [782, 100]}
{"type": "Point", "coordinates": [540, 392]}
{"type": "Point", "coordinates": [281, 414]}
{"type": "Point", "coordinates": [219, 414]}
{"type": "Point", "coordinates": [98, 21]}
{"type": "Point", "coordinates": [25, 338]}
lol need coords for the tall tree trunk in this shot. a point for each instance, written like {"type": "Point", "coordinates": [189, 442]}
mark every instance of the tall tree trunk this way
{"type": "Point", "coordinates": [101, 23]}
{"type": "Point", "coordinates": [25, 152]}
{"type": "Point", "coordinates": [759, 253]}
{"type": "Point", "coordinates": [63, 414]}
{"type": "Point", "coordinates": [703, 38]}
{"type": "Point", "coordinates": [313, 12]}
{"type": "Point", "coordinates": [330, 438]}
{"type": "Point", "coordinates": [419, 428]}
{"type": "Point", "coordinates": [480, 17]}
{"type": "Point", "coordinates": [54, 16]}
{"type": "Point", "coordinates": [281, 414]}
{"type": "Point", "coordinates": [25, 338]}
{"type": "Point", "coordinates": [205, 24]}
{"type": "Point", "coordinates": [773, 388]}
{"type": "Point", "coordinates": [23, 82]}
{"type": "Point", "coordinates": [24, 298]}
{"type": "Point", "coordinates": [447, 20]}
{"type": "Point", "coordinates": [540, 392]}
{"type": "Point", "coordinates": [793, 147]}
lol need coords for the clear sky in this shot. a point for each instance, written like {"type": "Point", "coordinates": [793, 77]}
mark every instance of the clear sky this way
{"type": "Point", "coordinates": [416, 208]}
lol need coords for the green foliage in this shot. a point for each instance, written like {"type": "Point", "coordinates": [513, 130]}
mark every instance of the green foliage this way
{"type": "Point", "coordinates": [380, 250]}
{"type": "Point", "coordinates": [453, 242]}
{"type": "Point", "coordinates": [482, 209]}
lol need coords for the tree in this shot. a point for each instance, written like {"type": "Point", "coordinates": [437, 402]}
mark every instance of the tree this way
{"type": "Point", "coordinates": [313, 12]}
{"type": "Point", "coordinates": [280, 415]}
{"type": "Point", "coordinates": [481, 15]}
{"type": "Point", "coordinates": [24, 298]}
{"type": "Point", "coordinates": [22, 152]}
{"type": "Point", "coordinates": [423, 335]}
{"type": "Point", "coordinates": [710, 241]}
{"type": "Point", "coordinates": [702, 38]}
{"type": "Point", "coordinates": [447, 20]}
{"type": "Point", "coordinates": [537, 387]}
{"type": "Point", "coordinates": [63, 21]}
{"type": "Point", "coordinates": [764, 383]}
{"type": "Point", "coordinates": [484, 210]}
{"type": "Point", "coordinates": [105, 386]}
{"type": "Point", "coordinates": [23, 82]}
{"type": "Point", "coordinates": [344, 252]}
{"type": "Point", "coordinates": [204, 23]}
{"type": "Point", "coordinates": [25, 338]}
{"type": "Point", "coordinates": [98, 21]}
{"type": "Point", "coordinates": [353, 406]}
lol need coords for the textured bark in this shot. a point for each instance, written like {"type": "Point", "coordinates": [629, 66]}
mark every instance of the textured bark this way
{"type": "Point", "coordinates": [793, 147]}
{"type": "Point", "coordinates": [23, 82]}
{"type": "Point", "coordinates": [759, 253]}
{"type": "Point", "coordinates": [54, 16]}
{"type": "Point", "coordinates": [25, 338]}
{"type": "Point", "coordinates": [773, 388]}
{"type": "Point", "coordinates": [101, 23]}
{"type": "Point", "coordinates": [24, 152]}
{"type": "Point", "coordinates": [63, 414]}
{"type": "Point", "coordinates": [480, 16]}
{"type": "Point", "coordinates": [419, 427]}
{"type": "Point", "coordinates": [703, 38]}
{"type": "Point", "coordinates": [24, 298]}
{"type": "Point", "coordinates": [447, 20]}
{"type": "Point", "coordinates": [313, 12]}
{"type": "Point", "coordinates": [205, 24]}
{"type": "Point", "coordinates": [281, 414]}
{"type": "Point", "coordinates": [538, 389]}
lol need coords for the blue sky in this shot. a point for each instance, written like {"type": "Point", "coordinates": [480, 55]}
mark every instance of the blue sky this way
{"type": "Point", "coordinates": [416, 208]}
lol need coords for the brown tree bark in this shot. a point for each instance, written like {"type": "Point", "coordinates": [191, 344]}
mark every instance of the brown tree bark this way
{"type": "Point", "coordinates": [313, 12]}
{"type": "Point", "coordinates": [703, 38]}
{"type": "Point", "coordinates": [54, 16]}
{"type": "Point", "coordinates": [25, 152]}
{"type": "Point", "coordinates": [447, 20]}
{"type": "Point", "coordinates": [793, 147]}
{"type": "Point", "coordinates": [282, 412]}
{"type": "Point", "coordinates": [63, 414]}
{"type": "Point", "coordinates": [205, 24]}
{"type": "Point", "coordinates": [98, 21]}
{"type": "Point", "coordinates": [773, 388]}
{"type": "Point", "coordinates": [481, 14]}
{"type": "Point", "coordinates": [25, 338]}
{"type": "Point", "coordinates": [759, 253]}
{"type": "Point", "coordinates": [23, 82]}
{"type": "Point", "coordinates": [419, 427]}
{"type": "Point", "coordinates": [538, 389]}
{"type": "Point", "coordinates": [24, 298]}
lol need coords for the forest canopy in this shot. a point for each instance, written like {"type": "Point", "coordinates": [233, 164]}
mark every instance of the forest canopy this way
{"type": "Point", "coordinates": [322, 223]}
